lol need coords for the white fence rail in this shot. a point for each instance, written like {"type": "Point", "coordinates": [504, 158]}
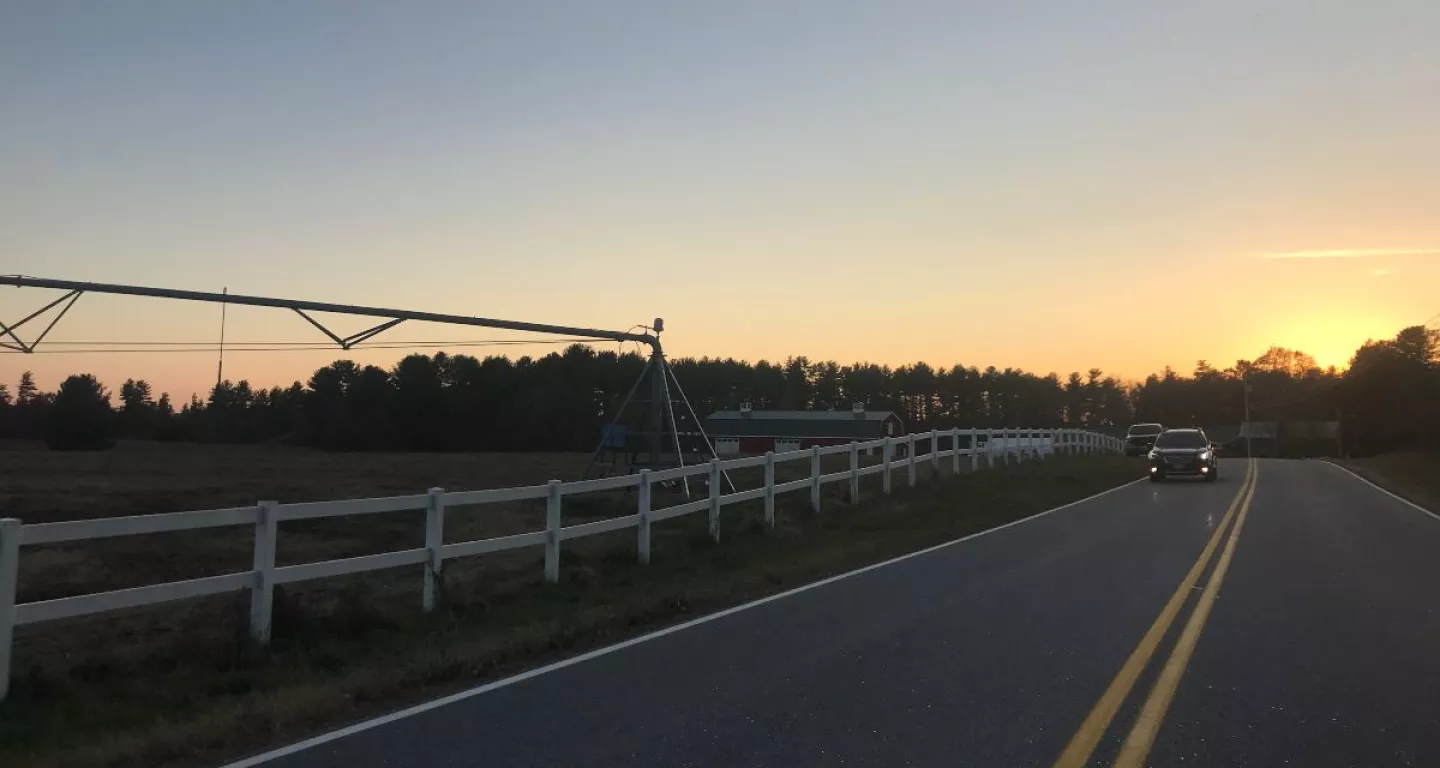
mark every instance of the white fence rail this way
{"type": "Point", "coordinates": [985, 445]}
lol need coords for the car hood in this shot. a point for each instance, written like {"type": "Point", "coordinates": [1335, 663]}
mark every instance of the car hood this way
{"type": "Point", "coordinates": [1179, 451]}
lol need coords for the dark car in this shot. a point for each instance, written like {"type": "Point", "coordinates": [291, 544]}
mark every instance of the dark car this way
{"type": "Point", "coordinates": [1140, 438]}
{"type": "Point", "coordinates": [1183, 452]}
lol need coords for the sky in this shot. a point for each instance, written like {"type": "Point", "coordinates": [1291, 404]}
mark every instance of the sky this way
{"type": "Point", "coordinates": [1049, 185]}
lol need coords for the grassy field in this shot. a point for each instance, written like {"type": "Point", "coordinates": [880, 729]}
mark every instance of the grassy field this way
{"type": "Point", "coordinates": [1416, 476]}
{"type": "Point", "coordinates": [179, 685]}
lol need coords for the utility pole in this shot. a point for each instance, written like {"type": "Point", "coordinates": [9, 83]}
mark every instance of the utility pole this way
{"type": "Point", "coordinates": [1245, 380]}
{"type": "Point", "coordinates": [220, 366]}
{"type": "Point", "coordinates": [1339, 438]}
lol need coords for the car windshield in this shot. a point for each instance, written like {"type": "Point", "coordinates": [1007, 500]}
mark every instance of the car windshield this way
{"type": "Point", "coordinates": [1181, 440]}
{"type": "Point", "coordinates": [1146, 429]}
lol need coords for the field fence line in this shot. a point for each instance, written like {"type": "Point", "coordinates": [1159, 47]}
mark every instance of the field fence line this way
{"type": "Point", "coordinates": [992, 445]}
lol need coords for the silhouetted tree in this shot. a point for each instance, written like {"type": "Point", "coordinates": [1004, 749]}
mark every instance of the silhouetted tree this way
{"type": "Point", "coordinates": [81, 418]}
{"type": "Point", "coordinates": [27, 390]}
{"type": "Point", "coordinates": [1389, 398]}
{"type": "Point", "coordinates": [138, 414]}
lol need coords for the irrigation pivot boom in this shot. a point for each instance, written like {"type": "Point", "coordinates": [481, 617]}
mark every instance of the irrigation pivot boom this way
{"type": "Point", "coordinates": [657, 368]}
{"type": "Point", "coordinates": [395, 315]}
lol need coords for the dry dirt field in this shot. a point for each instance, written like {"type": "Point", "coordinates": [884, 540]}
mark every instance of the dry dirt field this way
{"type": "Point", "coordinates": [138, 478]}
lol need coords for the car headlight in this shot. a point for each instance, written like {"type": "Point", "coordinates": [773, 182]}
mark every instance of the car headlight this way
{"type": "Point", "coordinates": [1204, 456]}
{"type": "Point", "coordinates": [1153, 454]}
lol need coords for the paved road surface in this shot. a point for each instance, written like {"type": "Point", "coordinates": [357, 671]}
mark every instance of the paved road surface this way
{"type": "Point", "coordinates": [1322, 649]}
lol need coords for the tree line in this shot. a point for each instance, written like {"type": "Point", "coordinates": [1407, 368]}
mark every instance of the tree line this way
{"type": "Point", "coordinates": [1388, 399]}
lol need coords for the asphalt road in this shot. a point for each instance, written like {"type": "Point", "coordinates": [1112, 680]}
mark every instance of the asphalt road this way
{"type": "Point", "coordinates": [1323, 648]}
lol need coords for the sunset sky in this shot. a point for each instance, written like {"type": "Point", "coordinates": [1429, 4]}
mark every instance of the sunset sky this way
{"type": "Point", "coordinates": [1050, 185]}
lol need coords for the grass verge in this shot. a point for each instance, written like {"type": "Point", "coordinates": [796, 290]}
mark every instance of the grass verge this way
{"type": "Point", "coordinates": [1414, 476]}
{"type": "Point", "coordinates": [198, 694]}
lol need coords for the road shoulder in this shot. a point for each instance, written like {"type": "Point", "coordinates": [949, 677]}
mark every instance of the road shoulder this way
{"type": "Point", "coordinates": [1412, 477]}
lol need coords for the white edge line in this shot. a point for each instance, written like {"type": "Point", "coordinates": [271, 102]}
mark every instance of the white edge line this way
{"type": "Point", "coordinates": [341, 733]}
{"type": "Point", "coordinates": [1381, 489]}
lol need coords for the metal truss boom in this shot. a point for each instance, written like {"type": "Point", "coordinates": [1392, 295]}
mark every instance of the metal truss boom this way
{"type": "Point", "coordinates": [393, 316]}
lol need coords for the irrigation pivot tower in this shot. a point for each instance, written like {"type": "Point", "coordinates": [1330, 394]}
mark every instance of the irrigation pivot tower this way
{"type": "Point", "coordinates": [656, 368]}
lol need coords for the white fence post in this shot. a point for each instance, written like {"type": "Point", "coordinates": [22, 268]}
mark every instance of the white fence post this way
{"type": "Point", "coordinates": [642, 544]}
{"type": "Point", "coordinates": [9, 578]}
{"type": "Point", "coordinates": [854, 472]}
{"type": "Point", "coordinates": [935, 452]}
{"type": "Point", "coordinates": [715, 499]}
{"type": "Point", "coordinates": [974, 450]}
{"type": "Point", "coordinates": [910, 457]}
{"type": "Point", "coordinates": [954, 450]}
{"type": "Point", "coordinates": [262, 594]}
{"type": "Point", "coordinates": [815, 478]}
{"type": "Point", "coordinates": [770, 488]}
{"type": "Point", "coordinates": [885, 460]}
{"type": "Point", "coordinates": [434, 540]}
{"type": "Point", "coordinates": [552, 531]}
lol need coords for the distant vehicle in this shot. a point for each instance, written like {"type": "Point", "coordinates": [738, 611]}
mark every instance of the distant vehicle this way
{"type": "Point", "coordinates": [1140, 438]}
{"type": "Point", "coordinates": [1184, 452]}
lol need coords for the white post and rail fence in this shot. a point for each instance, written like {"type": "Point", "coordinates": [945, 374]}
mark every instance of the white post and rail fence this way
{"type": "Point", "coordinates": [266, 516]}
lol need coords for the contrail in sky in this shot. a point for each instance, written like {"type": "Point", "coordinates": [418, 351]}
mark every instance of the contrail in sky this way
{"type": "Point", "coordinates": [1355, 253]}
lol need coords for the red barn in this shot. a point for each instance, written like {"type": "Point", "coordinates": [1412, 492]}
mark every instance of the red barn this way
{"type": "Point", "coordinates": [752, 432]}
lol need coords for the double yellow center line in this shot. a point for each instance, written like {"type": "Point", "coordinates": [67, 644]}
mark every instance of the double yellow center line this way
{"type": "Point", "coordinates": [1142, 734]}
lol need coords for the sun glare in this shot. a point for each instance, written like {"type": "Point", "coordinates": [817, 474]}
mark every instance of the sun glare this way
{"type": "Point", "coordinates": [1331, 338]}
